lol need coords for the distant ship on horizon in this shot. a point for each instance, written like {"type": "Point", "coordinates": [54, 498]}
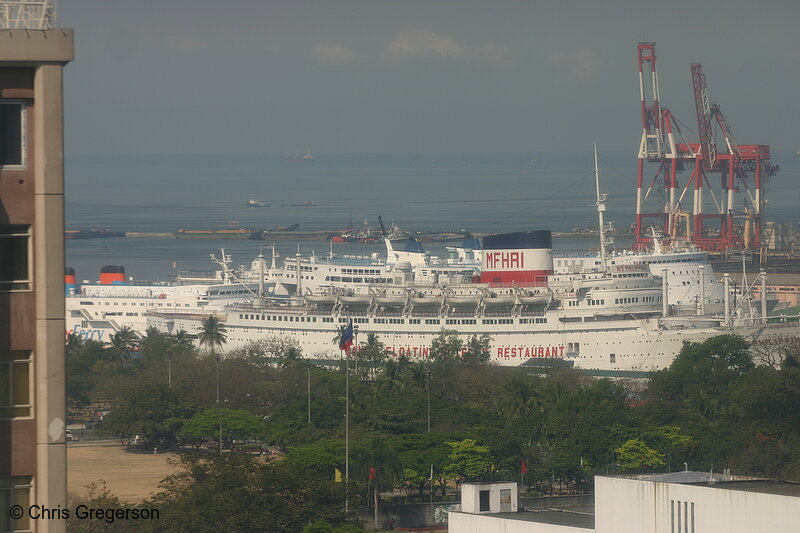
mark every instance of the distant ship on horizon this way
{"type": "Point", "coordinates": [297, 157]}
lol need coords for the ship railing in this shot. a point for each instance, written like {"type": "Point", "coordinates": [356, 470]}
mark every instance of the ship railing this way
{"type": "Point", "coordinates": [532, 313]}
{"type": "Point", "coordinates": [197, 275]}
{"type": "Point", "coordinates": [521, 284]}
{"type": "Point", "coordinates": [222, 317]}
{"type": "Point", "coordinates": [634, 267]}
{"type": "Point", "coordinates": [576, 253]}
{"type": "Point", "coordinates": [497, 314]}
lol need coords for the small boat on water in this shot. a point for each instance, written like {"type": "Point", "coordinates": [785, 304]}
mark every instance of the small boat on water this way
{"type": "Point", "coordinates": [293, 158]}
{"type": "Point", "coordinates": [255, 203]}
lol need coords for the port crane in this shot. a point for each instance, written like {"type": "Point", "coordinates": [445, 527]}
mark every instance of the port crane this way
{"type": "Point", "coordinates": [725, 212]}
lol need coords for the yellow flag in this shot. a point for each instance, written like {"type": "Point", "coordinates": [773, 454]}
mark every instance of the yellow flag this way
{"type": "Point", "coordinates": [337, 475]}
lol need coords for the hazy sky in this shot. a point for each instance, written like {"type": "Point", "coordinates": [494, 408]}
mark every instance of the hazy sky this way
{"type": "Point", "coordinates": [235, 76]}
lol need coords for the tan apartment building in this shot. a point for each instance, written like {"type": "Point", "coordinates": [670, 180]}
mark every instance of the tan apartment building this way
{"type": "Point", "coordinates": [32, 377]}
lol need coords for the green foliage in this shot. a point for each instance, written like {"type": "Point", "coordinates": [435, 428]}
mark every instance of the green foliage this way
{"type": "Point", "coordinates": [236, 424]}
{"type": "Point", "coordinates": [468, 461]}
{"type": "Point", "coordinates": [635, 455]}
{"type": "Point", "coordinates": [477, 351]}
{"type": "Point", "coordinates": [212, 333]}
{"type": "Point", "coordinates": [83, 358]}
{"type": "Point", "coordinates": [712, 406]}
{"type": "Point", "coordinates": [232, 493]}
{"type": "Point", "coordinates": [446, 347]}
{"type": "Point", "coordinates": [703, 370]}
{"type": "Point", "coordinates": [322, 526]}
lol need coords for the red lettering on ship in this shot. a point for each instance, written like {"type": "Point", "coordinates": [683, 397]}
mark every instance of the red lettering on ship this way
{"type": "Point", "coordinates": [777, 341]}
{"type": "Point", "coordinates": [526, 352]}
{"type": "Point", "coordinates": [505, 260]}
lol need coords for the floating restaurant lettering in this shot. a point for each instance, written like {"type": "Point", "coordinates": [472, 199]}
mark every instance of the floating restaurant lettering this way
{"type": "Point", "coordinates": [779, 341]}
{"type": "Point", "coordinates": [526, 352]}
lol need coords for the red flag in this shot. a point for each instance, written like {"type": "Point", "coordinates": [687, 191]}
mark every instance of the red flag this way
{"type": "Point", "coordinates": [524, 468]}
{"type": "Point", "coordinates": [371, 473]}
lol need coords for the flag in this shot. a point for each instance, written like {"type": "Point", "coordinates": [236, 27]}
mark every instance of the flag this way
{"type": "Point", "coordinates": [524, 468]}
{"type": "Point", "coordinates": [337, 475]}
{"type": "Point", "coordinates": [371, 473]}
{"type": "Point", "coordinates": [346, 340]}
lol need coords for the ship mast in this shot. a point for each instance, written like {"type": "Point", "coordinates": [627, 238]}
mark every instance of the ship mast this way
{"type": "Point", "coordinates": [601, 208]}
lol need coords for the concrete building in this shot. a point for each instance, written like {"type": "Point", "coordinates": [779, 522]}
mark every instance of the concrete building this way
{"type": "Point", "coordinates": [32, 381]}
{"type": "Point", "coordinates": [681, 502]}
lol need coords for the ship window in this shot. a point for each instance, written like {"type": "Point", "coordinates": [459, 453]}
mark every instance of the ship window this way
{"type": "Point", "coordinates": [15, 397]}
{"type": "Point", "coordinates": [13, 132]}
{"type": "Point", "coordinates": [15, 268]}
{"type": "Point", "coordinates": [612, 358]}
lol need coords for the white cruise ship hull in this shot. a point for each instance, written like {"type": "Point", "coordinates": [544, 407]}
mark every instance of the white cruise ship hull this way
{"type": "Point", "coordinates": [625, 345]}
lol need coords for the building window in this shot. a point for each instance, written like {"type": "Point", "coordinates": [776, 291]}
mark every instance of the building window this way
{"type": "Point", "coordinates": [15, 393]}
{"type": "Point", "coordinates": [14, 491]}
{"type": "Point", "coordinates": [15, 267]}
{"type": "Point", "coordinates": [12, 134]}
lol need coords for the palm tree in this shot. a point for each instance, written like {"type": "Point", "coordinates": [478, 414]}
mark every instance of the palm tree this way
{"type": "Point", "coordinates": [182, 340]}
{"type": "Point", "coordinates": [339, 332]}
{"type": "Point", "coordinates": [520, 398]}
{"type": "Point", "coordinates": [123, 342]}
{"type": "Point", "coordinates": [74, 343]}
{"type": "Point", "coordinates": [212, 333]}
{"type": "Point", "coordinates": [391, 380]}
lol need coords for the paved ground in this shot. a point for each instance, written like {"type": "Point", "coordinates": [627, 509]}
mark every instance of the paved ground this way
{"type": "Point", "coordinates": [129, 476]}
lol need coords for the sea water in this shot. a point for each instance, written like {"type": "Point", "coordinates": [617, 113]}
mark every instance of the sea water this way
{"type": "Point", "coordinates": [430, 192]}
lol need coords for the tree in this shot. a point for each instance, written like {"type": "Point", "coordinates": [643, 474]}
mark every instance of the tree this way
{"type": "Point", "coordinates": [446, 347]}
{"type": "Point", "coordinates": [143, 410]}
{"type": "Point", "coordinates": [82, 359]}
{"type": "Point", "coordinates": [468, 461]}
{"type": "Point", "coordinates": [233, 493]}
{"type": "Point", "coordinates": [711, 367]}
{"type": "Point", "coordinates": [283, 351]}
{"type": "Point", "coordinates": [477, 351]}
{"type": "Point", "coordinates": [519, 398]}
{"type": "Point", "coordinates": [236, 425]}
{"type": "Point", "coordinates": [182, 341]}
{"type": "Point", "coordinates": [635, 455]}
{"type": "Point", "coordinates": [123, 342]}
{"type": "Point", "coordinates": [381, 468]}
{"type": "Point", "coordinates": [371, 355]}
{"type": "Point", "coordinates": [212, 333]}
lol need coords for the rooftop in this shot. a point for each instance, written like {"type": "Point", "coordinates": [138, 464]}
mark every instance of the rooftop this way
{"type": "Point", "coordinates": [764, 486]}
{"type": "Point", "coordinates": [577, 516]}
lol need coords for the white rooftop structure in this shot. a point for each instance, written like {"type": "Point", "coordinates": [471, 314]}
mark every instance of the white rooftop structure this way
{"type": "Point", "coordinates": [27, 15]}
{"type": "Point", "coordinates": [683, 502]}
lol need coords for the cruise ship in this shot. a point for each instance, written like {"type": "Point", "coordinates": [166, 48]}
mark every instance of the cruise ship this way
{"type": "Point", "coordinates": [617, 317]}
{"type": "Point", "coordinates": [98, 310]}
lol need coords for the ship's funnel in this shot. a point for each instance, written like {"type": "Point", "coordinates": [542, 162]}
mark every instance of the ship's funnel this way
{"type": "Point", "coordinates": [112, 275]}
{"type": "Point", "coordinates": [523, 258]}
{"type": "Point", "coordinates": [70, 285]}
